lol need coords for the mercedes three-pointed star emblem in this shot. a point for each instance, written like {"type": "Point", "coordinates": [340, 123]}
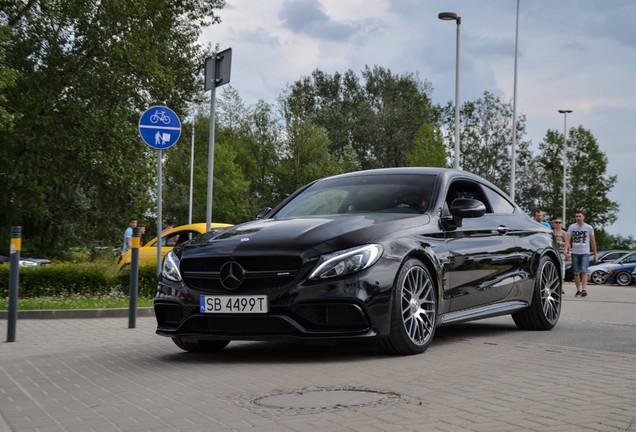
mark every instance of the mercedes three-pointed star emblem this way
{"type": "Point", "coordinates": [232, 275]}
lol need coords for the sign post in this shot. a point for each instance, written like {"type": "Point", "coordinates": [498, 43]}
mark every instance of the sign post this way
{"type": "Point", "coordinates": [160, 128]}
{"type": "Point", "coordinates": [217, 73]}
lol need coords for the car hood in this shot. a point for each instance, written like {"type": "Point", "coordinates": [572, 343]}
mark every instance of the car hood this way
{"type": "Point", "coordinates": [282, 236]}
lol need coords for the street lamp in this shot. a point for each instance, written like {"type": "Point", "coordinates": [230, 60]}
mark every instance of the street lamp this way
{"type": "Point", "coordinates": [452, 16]}
{"type": "Point", "coordinates": [513, 155]}
{"type": "Point", "coordinates": [565, 148]}
{"type": "Point", "coordinates": [194, 116]}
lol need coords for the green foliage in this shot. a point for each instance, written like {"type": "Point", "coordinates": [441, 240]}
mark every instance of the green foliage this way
{"type": "Point", "coordinates": [378, 117]}
{"type": "Point", "coordinates": [113, 300]}
{"type": "Point", "coordinates": [83, 73]}
{"type": "Point", "coordinates": [587, 182]}
{"type": "Point", "coordinates": [428, 148]}
{"type": "Point", "coordinates": [486, 140]}
{"type": "Point", "coordinates": [8, 78]}
{"type": "Point", "coordinates": [606, 241]}
{"type": "Point", "coordinates": [83, 279]}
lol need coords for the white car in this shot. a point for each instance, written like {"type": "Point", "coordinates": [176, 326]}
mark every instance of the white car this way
{"type": "Point", "coordinates": [597, 274]}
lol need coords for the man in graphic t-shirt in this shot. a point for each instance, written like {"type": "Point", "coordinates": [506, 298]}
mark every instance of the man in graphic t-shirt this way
{"type": "Point", "coordinates": [581, 235]}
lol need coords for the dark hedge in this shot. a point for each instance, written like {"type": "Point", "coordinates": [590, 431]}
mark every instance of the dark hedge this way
{"type": "Point", "coordinates": [77, 279]}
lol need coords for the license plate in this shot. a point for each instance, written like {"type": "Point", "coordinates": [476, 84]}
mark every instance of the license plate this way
{"type": "Point", "coordinates": [234, 304]}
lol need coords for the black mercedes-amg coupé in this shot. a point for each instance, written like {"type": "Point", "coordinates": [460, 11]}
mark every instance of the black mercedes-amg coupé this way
{"type": "Point", "coordinates": [385, 255]}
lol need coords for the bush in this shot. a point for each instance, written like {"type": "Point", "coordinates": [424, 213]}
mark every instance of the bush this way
{"type": "Point", "coordinates": [147, 282]}
{"type": "Point", "coordinates": [85, 279]}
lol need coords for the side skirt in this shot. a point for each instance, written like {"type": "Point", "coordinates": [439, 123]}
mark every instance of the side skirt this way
{"type": "Point", "coordinates": [480, 312]}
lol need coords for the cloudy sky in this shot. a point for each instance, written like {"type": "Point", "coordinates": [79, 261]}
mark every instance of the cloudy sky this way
{"type": "Point", "coordinates": [573, 54]}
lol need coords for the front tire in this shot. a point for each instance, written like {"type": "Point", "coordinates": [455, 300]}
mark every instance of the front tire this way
{"type": "Point", "coordinates": [624, 278]}
{"type": "Point", "coordinates": [545, 309]}
{"type": "Point", "coordinates": [200, 346]}
{"type": "Point", "coordinates": [413, 311]}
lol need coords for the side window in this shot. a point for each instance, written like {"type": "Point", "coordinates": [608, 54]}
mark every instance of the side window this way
{"type": "Point", "coordinates": [187, 236]}
{"type": "Point", "coordinates": [498, 203]}
{"type": "Point", "coordinates": [611, 256]}
{"type": "Point", "coordinates": [630, 259]}
{"type": "Point", "coordinates": [466, 189]}
{"type": "Point", "coordinates": [171, 239]}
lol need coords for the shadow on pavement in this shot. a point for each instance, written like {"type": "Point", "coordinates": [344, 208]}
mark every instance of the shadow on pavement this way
{"type": "Point", "coordinates": [332, 352]}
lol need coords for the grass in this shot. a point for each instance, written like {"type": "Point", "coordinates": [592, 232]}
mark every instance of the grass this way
{"type": "Point", "coordinates": [75, 302]}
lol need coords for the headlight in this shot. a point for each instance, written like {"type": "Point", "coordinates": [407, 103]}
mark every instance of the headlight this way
{"type": "Point", "coordinates": [170, 268]}
{"type": "Point", "coordinates": [346, 261]}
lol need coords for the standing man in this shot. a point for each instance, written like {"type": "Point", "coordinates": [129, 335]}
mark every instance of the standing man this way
{"type": "Point", "coordinates": [128, 235]}
{"type": "Point", "coordinates": [538, 216]}
{"type": "Point", "coordinates": [581, 236]}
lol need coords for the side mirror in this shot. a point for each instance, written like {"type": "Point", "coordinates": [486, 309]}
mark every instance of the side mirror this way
{"type": "Point", "coordinates": [263, 212]}
{"type": "Point", "coordinates": [462, 208]}
{"type": "Point", "coordinates": [467, 208]}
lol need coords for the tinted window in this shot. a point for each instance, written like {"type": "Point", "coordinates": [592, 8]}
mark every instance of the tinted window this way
{"type": "Point", "coordinates": [613, 256]}
{"type": "Point", "coordinates": [498, 203]}
{"type": "Point", "coordinates": [630, 259]}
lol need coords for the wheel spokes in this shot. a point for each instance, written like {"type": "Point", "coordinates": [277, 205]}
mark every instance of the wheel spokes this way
{"type": "Point", "coordinates": [418, 306]}
{"type": "Point", "coordinates": [550, 291]}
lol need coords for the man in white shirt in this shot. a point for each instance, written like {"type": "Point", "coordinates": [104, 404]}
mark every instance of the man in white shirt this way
{"type": "Point", "coordinates": [581, 236]}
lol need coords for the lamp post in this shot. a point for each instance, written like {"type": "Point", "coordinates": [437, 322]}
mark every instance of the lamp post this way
{"type": "Point", "coordinates": [513, 155]}
{"type": "Point", "coordinates": [452, 16]}
{"type": "Point", "coordinates": [194, 117]}
{"type": "Point", "coordinates": [565, 150]}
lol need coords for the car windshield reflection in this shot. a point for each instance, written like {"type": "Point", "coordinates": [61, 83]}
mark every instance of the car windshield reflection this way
{"type": "Point", "coordinates": [363, 194]}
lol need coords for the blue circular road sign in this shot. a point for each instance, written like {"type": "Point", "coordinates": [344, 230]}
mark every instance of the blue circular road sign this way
{"type": "Point", "coordinates": [159, 127]}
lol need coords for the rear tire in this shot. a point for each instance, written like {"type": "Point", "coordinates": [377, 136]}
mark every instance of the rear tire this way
{"type": "Point", "coordinates": [413, 311]}
{"type": "Point", "coordinates": [624, 278]}
{"type": "Point", "coordinates": [200, 346]}
{"type": "Point", "coordinates": [545, 309]}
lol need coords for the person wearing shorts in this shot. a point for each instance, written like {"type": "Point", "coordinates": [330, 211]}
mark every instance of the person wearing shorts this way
{"type": "Point", "coordinates": [580, 238]}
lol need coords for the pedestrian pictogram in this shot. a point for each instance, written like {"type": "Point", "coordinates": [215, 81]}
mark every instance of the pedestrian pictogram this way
{"type": "Point", "coordinates": [159, 127]}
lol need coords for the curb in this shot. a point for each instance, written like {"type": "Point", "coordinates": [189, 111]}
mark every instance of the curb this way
{"type": "Point", "coordinates": [79, 313]}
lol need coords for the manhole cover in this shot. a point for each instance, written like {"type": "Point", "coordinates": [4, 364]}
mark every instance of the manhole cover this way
{"type": "Point", "coordinates": [324, 399]}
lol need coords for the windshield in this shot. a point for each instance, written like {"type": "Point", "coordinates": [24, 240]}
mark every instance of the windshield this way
{"type": "Point", "coordinates": [389, 193]}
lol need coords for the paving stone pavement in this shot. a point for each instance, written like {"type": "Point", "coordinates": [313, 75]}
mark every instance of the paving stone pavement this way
{"type": "Point", "coordinates": [96, 374]}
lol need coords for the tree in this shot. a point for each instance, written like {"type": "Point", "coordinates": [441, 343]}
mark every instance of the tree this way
{"type": "Point", "coordinates": [549, 166]}
{"type": "Point", "coordinates": [377, 117]}
{"type": "Point", "coordinates": [428, 148]}
{"type": "Point", "coordinates": [588, 181]}
{"type": "Point", "coordinates": [304, 155]}
{"type": "Point", "coordinates": [8, 78]}
{"type": "Point", "coordinates": [486, 139]}
{"type": "Point", "coordinates": [84, 71]}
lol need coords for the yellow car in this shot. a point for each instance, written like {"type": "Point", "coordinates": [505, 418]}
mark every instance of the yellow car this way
{"type": "Point", "coordinates": [169, 239]}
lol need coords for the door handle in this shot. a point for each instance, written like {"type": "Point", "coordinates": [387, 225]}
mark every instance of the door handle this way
{"type": "Point", "coordinates": [502, 229]}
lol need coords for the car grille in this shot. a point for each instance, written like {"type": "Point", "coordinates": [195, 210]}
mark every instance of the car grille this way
{"type": "Point", "coordinates": [259, 275]}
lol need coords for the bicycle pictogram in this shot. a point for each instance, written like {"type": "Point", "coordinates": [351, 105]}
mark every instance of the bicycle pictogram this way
{"type": "Point", "coordinates": [160, 115]}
